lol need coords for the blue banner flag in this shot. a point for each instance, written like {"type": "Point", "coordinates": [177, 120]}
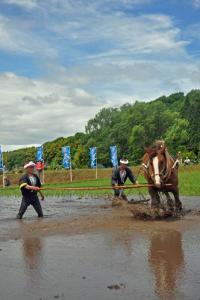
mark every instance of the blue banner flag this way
{"type": "Point", "coordinates": [66, 157]}
{"type": "Point", "coordinates": [1, 159]}
{"type": "Point", "coordinates": [93, 157]}
{"type": "Point", "coordinates": [39, 153]}
{"type": "Point", "coordinates": [113, 155]}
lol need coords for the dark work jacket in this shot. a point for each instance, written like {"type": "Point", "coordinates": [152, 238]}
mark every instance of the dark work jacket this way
{"type": "Point", "coordinates": [28, 194]}
{"type": "Point", "coordinates": [116, 178]}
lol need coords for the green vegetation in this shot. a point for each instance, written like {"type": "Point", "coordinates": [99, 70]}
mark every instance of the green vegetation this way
{"type": "Point", "coordinates": [189, 182]}
{"type": "Point", "coordinates": [189, 178]}
{"type": "Point", "coordinates": [131, 127]}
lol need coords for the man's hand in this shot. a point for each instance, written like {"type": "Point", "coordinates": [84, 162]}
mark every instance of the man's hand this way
{"type": "Point", "coordinates": [35, 188]}
{"type": "Point", "coordinates": [136, 182]}
{"type": "Point", "coordinates": [32, 188]}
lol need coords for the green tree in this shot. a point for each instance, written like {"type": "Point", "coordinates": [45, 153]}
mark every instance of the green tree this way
{"type": "Point", "coordinates": [177, 135]}
{"type": "Point", "coordinates": [137, 142]}
{"type": "Point", "coordinates": [191, 111]}
{"type": "Point", "coordinates": [130, 127]}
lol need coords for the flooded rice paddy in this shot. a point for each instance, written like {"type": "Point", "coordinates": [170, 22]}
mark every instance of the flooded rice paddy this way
{"type": "Point", "coordinates": [87, 249]}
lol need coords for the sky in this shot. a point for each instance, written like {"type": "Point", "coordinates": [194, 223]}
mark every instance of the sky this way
{"type": "Point", "coordinates": [61, 61]}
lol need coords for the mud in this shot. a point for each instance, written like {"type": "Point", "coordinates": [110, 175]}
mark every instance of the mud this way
{"type": "Point", "coordinates": [87, 249]}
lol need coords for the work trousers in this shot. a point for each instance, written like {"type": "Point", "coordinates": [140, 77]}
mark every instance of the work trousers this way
{"type": "Point", "coordinates": [25, 204]}
{"type": "Point", "coordinates": [119, 194]}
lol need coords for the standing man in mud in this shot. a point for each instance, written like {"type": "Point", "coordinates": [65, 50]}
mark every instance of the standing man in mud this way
{"type": "Point", "coordinates": [119, 177]}
{"type": "Point", "coordinates": [30, 185]}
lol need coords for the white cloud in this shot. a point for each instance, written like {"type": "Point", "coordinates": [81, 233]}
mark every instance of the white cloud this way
{"type": "Point", "coordinates": [196, 3]}
{"type": "Point", "coordinates": [80, 23]}
{"type": "Point", "coordinates": [34, 111]}
{"type": "Point", "coordinates": [94, 55]}
{"type": "Point", "coordinates": [83, 25]}
{"type": "Point", "coordinates": [15, 147]}
{"type": "Point", "coordinates": [27, 4]}
{"type": "Point", "coordinates": [120, 34]}
{"type": "Point", "coordinates": [15, 37]}
{"type": "Point", "coordinates": [63, 6]}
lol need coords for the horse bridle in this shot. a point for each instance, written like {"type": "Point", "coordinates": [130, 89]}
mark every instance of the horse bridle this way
{"type": "Point", "coordinates": [163, 175]}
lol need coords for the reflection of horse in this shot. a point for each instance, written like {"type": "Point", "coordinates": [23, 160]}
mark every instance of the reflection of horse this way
{"type": "Point", "coordinates": [160, 169]}
{"type": "Point", "coordinates": [166, 259]}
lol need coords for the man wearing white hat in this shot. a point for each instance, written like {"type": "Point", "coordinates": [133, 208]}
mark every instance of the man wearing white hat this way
{"type": "Point", "coordinates": [30, 185]}
{"type": "Point", "coordinates": [119, 177]}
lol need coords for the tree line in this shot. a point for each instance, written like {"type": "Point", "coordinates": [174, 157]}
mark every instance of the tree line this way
{"type": "Point", "coordinates": [131, 127]}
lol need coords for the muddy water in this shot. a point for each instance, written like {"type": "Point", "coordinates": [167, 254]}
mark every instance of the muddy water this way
{"type": "Point", "coordinates": [88, 250]}
{"type": "Point", "coordinates": [53, 207]}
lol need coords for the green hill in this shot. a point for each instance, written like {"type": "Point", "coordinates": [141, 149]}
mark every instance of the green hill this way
{"type": "Point", "coordinates": [131, 127]}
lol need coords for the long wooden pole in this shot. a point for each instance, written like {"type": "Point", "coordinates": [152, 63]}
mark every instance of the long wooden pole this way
{"type": "Point", "coordinates": [136, 186]}
{"type": "Point", "coordinates": [95, 188]}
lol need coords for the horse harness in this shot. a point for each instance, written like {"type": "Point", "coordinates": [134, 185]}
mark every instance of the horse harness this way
{"type": "Point", "coordinates": [165, 172]}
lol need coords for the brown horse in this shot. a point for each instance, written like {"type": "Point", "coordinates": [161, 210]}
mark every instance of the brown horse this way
{"type": "Point", "coordinates": [161, 169]}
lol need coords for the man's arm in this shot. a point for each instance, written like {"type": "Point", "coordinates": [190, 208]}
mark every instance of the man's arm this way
{"type": "Point", "coordinates": [29, 187]}
{"type": "Point", "coordinates": [23, 184]}
{"type": "Point", "coordinates": [132, 177]}
{"type": "Point", "coordinates": [114, 180]}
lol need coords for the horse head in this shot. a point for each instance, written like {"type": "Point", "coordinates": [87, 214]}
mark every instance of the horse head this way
{"type": "Point", "coordinates": [156, 163]}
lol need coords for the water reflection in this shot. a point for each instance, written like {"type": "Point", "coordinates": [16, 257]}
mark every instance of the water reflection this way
{"type": "Point", "coordinates": [32, 248]}
{"type": "Point", "coordinates": [121, 240]}
{"type": "Point", "coordinates": [166, 260]}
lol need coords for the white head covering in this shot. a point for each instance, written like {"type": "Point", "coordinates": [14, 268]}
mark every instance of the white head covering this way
{"type": "Point", "coordinates": [124, 161]}
{"type": "Point", "coordinates": [30, 164]}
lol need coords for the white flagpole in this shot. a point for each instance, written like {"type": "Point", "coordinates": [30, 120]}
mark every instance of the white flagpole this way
{"type": "Point", "coordinates": [3, 183]}
{"type": "Point", "coordinates": [70, 170]}
{"type": "Point", "coordinates": [43, 175]}
{"type": "Point", "coordinates": [43, 165]}
{"type": "Point", "coordinates": [96, 166]}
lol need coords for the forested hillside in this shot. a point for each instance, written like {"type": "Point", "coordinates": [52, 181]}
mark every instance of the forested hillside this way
{"type": "Point", "coordinates": [131, 127]}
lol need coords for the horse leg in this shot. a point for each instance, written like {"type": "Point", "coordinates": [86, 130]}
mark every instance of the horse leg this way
{"type": "Point", "coordinates": [170, 202]}
{"type": "Point", "coordinates": [155, 199]}
{"type": "Point", "coordinates": [178, 203]}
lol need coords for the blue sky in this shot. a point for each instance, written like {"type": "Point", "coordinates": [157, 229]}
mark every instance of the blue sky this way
{"type": "Point", "coordinates": [62, 61]}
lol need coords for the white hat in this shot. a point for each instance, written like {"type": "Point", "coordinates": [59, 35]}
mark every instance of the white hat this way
{"type": "Point", "coordinates": [30, 164]}
{"type": "Point", "coordinates": [124, 161]}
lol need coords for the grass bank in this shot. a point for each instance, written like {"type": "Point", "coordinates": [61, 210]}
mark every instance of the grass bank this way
{"type": "Point", "coordinates": [189, 178]}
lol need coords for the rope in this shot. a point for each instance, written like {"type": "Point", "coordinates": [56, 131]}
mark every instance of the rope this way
{"type": "Point", "coordinates": [138, 173]}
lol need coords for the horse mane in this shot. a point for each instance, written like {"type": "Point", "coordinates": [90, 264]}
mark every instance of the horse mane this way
{"type": "Point", "coordinates": [158, 145]}
{"type": "Point", "coordinates": [169, 162]}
